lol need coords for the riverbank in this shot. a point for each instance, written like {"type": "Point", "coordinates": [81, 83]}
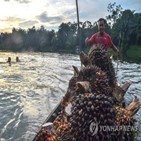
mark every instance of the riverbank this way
{"type": "Point", "coordinates": [133, 54]}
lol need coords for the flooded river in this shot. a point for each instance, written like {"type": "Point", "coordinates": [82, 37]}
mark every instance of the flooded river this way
{"type": "Point", "coordinates": [31, 88]}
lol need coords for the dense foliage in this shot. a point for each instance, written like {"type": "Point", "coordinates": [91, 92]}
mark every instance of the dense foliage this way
{"type": "Point", "coordinates": [123, 26]}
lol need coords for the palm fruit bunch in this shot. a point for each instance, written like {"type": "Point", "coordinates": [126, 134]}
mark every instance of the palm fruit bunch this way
{"type": "Point", "coordinates": [123, 116]}
{"type": "Point", "coordinates": [88, 109]}
{"type": "Point", "coordinates": [126, 124]}
{"type": "Point", "coordinates": [125, 119]}
{"type": "Point", "coordinates": [62, 127]}
{"type": "Point", "coordinates": [97, 78]}
{"type": "Point", "coordinates": [100, 58]}
{"type": "Point", "coordinates": [45, 135]}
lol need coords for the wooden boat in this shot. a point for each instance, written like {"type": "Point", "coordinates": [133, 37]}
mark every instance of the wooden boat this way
{"type": "Point", "coordinates": [60, 125]}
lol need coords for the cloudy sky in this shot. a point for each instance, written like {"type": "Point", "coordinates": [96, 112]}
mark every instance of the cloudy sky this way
{"type": "Point", "coordinates": [51, 13]}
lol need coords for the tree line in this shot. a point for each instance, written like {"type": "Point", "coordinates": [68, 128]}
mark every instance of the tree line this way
{"type": "Point", "coordinates": [124, 26]}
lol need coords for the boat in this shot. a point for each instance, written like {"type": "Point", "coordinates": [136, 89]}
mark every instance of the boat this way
{"type": "Point", "coordinates": [93, 99]}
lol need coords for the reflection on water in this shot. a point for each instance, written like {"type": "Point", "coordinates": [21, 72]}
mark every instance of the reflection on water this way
{"type": "Point", "coordinates": [31, 88]}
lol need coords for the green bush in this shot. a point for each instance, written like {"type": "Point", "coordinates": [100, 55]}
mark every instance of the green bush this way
{"type": "Point", "coordinates": [134, 54]}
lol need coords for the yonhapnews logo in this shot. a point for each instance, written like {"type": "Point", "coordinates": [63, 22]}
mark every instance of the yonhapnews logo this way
{"type": "Point", "coordinates": [95, 127]}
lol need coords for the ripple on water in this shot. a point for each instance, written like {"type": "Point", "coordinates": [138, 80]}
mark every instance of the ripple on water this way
{"type": "Point", "coordinates": [10, 115]}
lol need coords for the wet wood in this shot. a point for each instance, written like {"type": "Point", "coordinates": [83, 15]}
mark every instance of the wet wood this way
{"type": "Point", "coordinates": [125, 86]}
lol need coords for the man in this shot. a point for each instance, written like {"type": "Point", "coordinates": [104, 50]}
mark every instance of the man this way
{"type": "Point", "coordinates": [101, 38]}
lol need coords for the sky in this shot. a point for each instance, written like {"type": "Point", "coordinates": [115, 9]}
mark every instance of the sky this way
{"type": "Point", "coordinates": [25, 14]}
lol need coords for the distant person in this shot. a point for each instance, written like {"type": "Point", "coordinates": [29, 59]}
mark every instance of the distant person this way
{"type": "Point", "coordinates": [17, 59]}
{"type": "Point", "coordinates": [9, 61]}
{"type": "Point", "coordinates": [101, 38]}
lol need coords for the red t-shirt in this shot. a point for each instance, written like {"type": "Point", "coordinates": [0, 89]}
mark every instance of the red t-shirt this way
{"type": "Point", "coordinates": [103, 40]}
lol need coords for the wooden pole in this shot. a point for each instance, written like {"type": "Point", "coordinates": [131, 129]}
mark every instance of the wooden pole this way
{"type": "Point", "coordinates": [79, 34]}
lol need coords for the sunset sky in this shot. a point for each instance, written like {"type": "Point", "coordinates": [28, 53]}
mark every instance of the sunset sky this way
{"type": "Point", "coordinates": [51, 13]}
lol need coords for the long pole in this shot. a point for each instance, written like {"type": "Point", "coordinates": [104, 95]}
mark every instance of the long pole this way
{"type": "Point", "coordinates": [77, 14]}
{"type": "Point", "coordinates": [79, 35]}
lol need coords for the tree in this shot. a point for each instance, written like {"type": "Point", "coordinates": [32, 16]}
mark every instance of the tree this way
{"type": "Point", "coordinates": [66, 36]}
{"type": "Point", "coordinates": [115, 12]}
{"type": "Point", "coordinates": [124, 25]}
{"type": "Point", "coordinates": [136, 29]}
{"type": "Point", "coordinates": [17, 39]}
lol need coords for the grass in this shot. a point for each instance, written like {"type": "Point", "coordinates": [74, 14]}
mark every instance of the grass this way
{"type": "Point", "coordinates": [134, 54]}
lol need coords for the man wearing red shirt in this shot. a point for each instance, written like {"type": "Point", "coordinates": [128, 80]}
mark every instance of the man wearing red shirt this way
{"type": "Point", "coordinates": [101, 38]}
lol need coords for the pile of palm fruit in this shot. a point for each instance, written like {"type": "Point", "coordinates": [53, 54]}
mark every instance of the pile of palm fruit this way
{"type": "Point", "coordinates": [96, 100]}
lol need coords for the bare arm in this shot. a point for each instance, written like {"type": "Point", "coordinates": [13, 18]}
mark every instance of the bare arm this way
{"type": "Point", "coordinates": [90, 42]}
